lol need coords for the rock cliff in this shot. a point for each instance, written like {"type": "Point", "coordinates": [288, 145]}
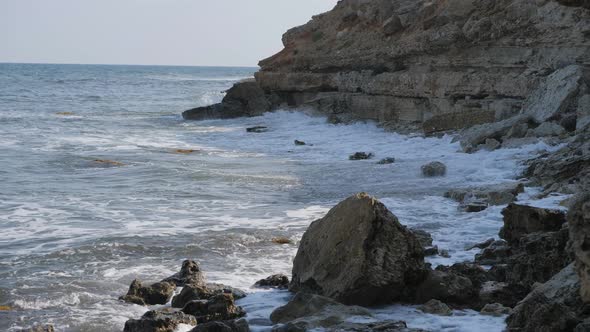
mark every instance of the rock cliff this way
{"type": "Point", "coordinates": [442, 65]}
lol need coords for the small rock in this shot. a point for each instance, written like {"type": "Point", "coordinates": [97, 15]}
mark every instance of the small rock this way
{"type": "Point", "coordinates": [386, 161]}
{"type": "Point", "coordinates": [5, 308]}
{"type": "Point", "coordinates": [192, 293]}
{"type": "Point", "coordinates": [360, 156]}
{"type": "Point", "coordinates": [281, 240]}
{"type": "Point", "coordinates": [297, 142]}
{"type": "Point", "coordinates": [159, 321]}
{"type": "Point", "coordinates": [107, 163]}
{"type": "Point", "coordinates": [436, 307]}
{"type": "Point", "coordinates": [481, 245]}
{"type": "Point", "coordinates": [190, 274]}
{"type": "Point", "coordinates": [497, 252]}
{"type": "Point", "coordinates": [503, 293]}
{"type": "Point", "coordinates": [475, 207]}
{"type": "Point", "coordinates": [423, 237]}
{"type": "Point", "coordinates": [495, 309]}
{"type": "Point", "coordinates": [39, 328]}
{"type": "Point", "coordinates": [447, 286]}
{"type": "Point", "coordinates": [431, 251]}
{"type": "Point", "coordinates": [491, 144]}
{"type": "Point", "coordinates": [444, 253]}
{"type": "Point", "coordinates": [434, 169]}
{"type": "Point", "coordinates": [185, 151]}
{"type": "Point", "coordinates": [257, 129]}
{"type": "Point", "coordinates": [64, 113]}
{"type": "Point", "coordinates": [219, 308]}
{"type": "Point", "coordinates": [546, 129]}
{"type": "Point", "coordinates": [392, 25]}
{"type": "Point", "coordinates": [279, 281]}
{"type": "Point", "coordinates": [158, 293]}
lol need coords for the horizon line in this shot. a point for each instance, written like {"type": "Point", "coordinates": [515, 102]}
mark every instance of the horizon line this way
{"type": "Point", "coordinates": [121, 64]}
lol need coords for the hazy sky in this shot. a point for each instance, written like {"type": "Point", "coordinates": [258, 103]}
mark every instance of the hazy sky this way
{"type": "Point", "coordinates": [174, 32]}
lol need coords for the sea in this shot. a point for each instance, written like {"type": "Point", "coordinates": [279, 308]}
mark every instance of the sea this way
{"type": "Point", "coordinates": [102, 182]}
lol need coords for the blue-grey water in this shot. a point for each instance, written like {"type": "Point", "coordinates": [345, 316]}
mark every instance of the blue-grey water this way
{"type": "Point", "coordinates": [94, 192]}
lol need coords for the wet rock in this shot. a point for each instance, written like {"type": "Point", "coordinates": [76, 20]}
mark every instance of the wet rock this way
{"type": "Point", "coordinates": [436, 307]}
{"type": "Point", "coordinates": [547, 129]}
{"type": "Point", "coordinates": [491, 144]}
{"type": "Point", "coordinates": [359, 253]}
{"type": "Point", "coordinates": [190, 274]}
{"type": "Point", "coordinates": [434, 169]}
{"type": "Point", "coordinates": [204, 292]}
{"type": "Point", "coordinates": [281, 240]}
{"type": "Point", "coordinates": [520, 220]}
{"type": "Point", "coordinates": [300, 143]}
{"type": "Point", "coordinates": [477, 274]}
{"type": "Point", "coordinates": [386, 161]}
{"type": "Point", "coordinates": [481, 245]}
{"type": "Point", "coordinates": [385, 326]}
{"type": "Point", "coordinates": [503, 293]}
{"type": "Point", "coordinates": [474, 207]}
{"type": "Point", "coordinates": [583, 113]}
{"type": "Point", "coordinates": [444, 253]}
{"type": "Point", "coordinates": [159, 321]}
{"type": "Point", "coordinates": [257, 129]}
{"type": "Point", "coordinates": [245, 98]}
{"type": "Point", "coordinates": [39, 328]}
{"type": "Point", "coordinates": [158, 293]}
{"type": "Point", "coordinates": [361, 156]}
{"type": "Point", "coordinates": [221, 307]}
{"type": "Point", "coordinates": [449, 287]}
{"type": "Point", "coordinates": [475, 137]}
{"type": "Point", "coordinates": [552, 307]}
{"type": "Point", "coordinates": [497, 252]}
{"type": "Point", "coordinates": [431, 251]}
{"type": "Point", "coordinates": [279, 281]}
{"type": "Point", "coordinates": [579, 221]}
{"type": "Point", "coordinates": [499, 194]}
{"type": "Point", "coordinates": [495, 309]}
{"type": "Point", "coordinates": [423, 237]}
{"type": "Point", "coordinates": [184, 151]}
{"type": "Point", "coordinates": [239, 325]}
{"type": "Point", "coordinates": [392, 25]}
{"type": "Point", "coordinates": [107, 163]}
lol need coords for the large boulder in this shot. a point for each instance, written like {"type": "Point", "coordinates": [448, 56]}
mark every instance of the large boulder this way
{"type": "Point", "coordinates": [159, 321]}
{"type": "Point", "coordinates": [520, 220]}
{"type": "Point", "coordinates": [359, 253]}
{"type": "Point", "coordinates": [245, 98]}
{"type": "Point", "coordinates": [552, 307]}
{"type": "Point", "coordinates": [158, 293]}
{"type": "Point", "coordinates": [579, 220]}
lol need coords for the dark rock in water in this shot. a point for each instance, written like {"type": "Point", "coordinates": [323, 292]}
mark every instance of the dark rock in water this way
{"type": "Point", "coordinates": [520, 220]}
{"type": "Point", "coordinates": [359, 253]}
{"type": "Point", "coordinates": [448, 287]}
{"type": "Point", "coordinates": [481, 245]}
{"type": "Point", "coordinates": [554, 306]}
{"type": "Point", "coordinates": [190, 274]}
{"type": "Point", "coordinates": [158, 293]}
{"type": "Point", "coordinates": [491, 144]}
{"type": "Point", "coordinates": [423, 237]}
{"type": "Point", "coordinates": [361, 156]}
{"type": "Point", "coordinates": [221, 307]}
{"type": "Point", "coordinates": [431, 251]}
{"type": "Point", "coordinates": [473, 272]}
{"type": "Point", "coordinates": [159, 321]}
{"type": "Point", "coordinates": [495, 309]}
{"type": "Point", "coordinates": [386, 161]}
{"type": "Point", "coordinates": [579, 221]}
{"type": "Point", "coordinates": [238, 325]}
{"type": "Point", "coordinates": [300, 143]}
{"type": "Point", "coordinates": [476, 207]}
{"type": "Point", "coordinates": [434, 169]}
{"type": "Point", "coordinates": [436, 307]}
{"type": "Point", "coordinates": [204, 292]}
{"type": "Point", "coordinates": [245, 98]}
{"type": "Point", "coordinates": [500, 292]}
{"type": "Point", "coordinates": [500, 194]}
{"type": "Point", "coordinates": [257, 129]}
{"type": "Point", "coordinates": [39, 328]}
{"type": "Point", "coordinates": [497, 252]}
{"type": "Point", "coordinates": [279, 281]}
{"type": "Point", "coordinates": [444, 253]}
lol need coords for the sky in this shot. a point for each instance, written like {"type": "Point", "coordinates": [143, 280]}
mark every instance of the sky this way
{"type": "Point", "coordinates": [149, 32]}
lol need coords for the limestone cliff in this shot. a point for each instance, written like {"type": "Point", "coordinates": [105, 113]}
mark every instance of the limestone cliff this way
{"type": "Point", "coordinates": [444, 64]}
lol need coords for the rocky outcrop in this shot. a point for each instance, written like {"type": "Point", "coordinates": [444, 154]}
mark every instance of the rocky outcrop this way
{"type": "Point", "coordinates": [520, 220]}
{"type": "Point", "coordinates": [445, 65]}
{"type": "Point", "coordinates": [359, 253]}
{"type": "Point", "coordinates": [159, 321]}
{"type": "Point", "coordinates": [243, 99]}
{"type": "Point", "coordinates": [190, 274]}
{"type": "Point", "coordinates": [433, 169]}
{"type": "Point", "coordinates": [579, 220]}
{"type": "Point", "coordinates": [193, 292]}
{"type": "Point", "coordinates": [279, 281]}
{"type": "Point", "coordinates": [221, 307]}
{"type": "Point", "coordinates": [158, 293]}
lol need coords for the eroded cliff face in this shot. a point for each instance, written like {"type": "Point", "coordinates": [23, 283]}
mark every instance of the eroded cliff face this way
{"type": "Point", "coordinates": [444, 64]}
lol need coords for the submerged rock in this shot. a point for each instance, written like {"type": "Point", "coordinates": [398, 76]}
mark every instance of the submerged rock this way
{"type": "Point", "coordinates": [436, 307]}
{"type": "Point", "coordinates": [279, 281]}
{"type": "Point", "coordinates": [159, 321]}
{"type": "Point", "coordinates": [158, 293]}
{"type": "Point", "coordinates": [434, 169]}
{"type": "Point", "coordinates": [500, 194]}
{"type": "Point", "coordinates": [300, 143]}
{"type": "Point", "coordinates": [39, 328]}
{"type": "Point", "coordinates": [257, 129]}
{"type": "Point", "coordinates": [361, 156]}
{"type": "Point", "coordinates": [359, 253]}
{"type": "Point", "coordinates": [386, 161]}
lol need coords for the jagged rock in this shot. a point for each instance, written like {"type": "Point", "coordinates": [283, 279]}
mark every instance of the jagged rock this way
{"type": "Point", "coordinates": [159, 321]}
{"type": "Point", "coordinates": [39, 328]}
{"type": "Point", "coordinates": [436, 307]}
{"type": "Point", "coordinates": [491, 144]}
{"type": "Point", "coordinates": [384, 326]}
{"type": "Point", "coordinates": [583, 113]}
{"type": "Point", "coordinates": [190, 274]}
{"type": "Point", "coordinates": [552, 307]}
{"type": "Point", "coordinates": [497, 252]}
{"type": "Point", "coordinates": [361, 156]}
{"type": "Point", "coordinates": [555, 94]}
{"type": "Point", "coordinates": [579, 221]}
{"type": "Point", "coordinates": [447, 286]}
{"type": "Point", "coordinates": [473, 207]}
{"type": "Point", "coordinates": [221, 307]}
{"type": "Point", "coordinates": [495, 309]}
{"type": "Point", "coordinates": [245, 98]}
{"type": "Point", "coordinates": [473, 138]}
{"type": "Point", "coordinates": [434, 169]}
{"type": "Point", "coordinates": [204, 292]}
{"type": "Point", "coordinates": [431, 251]}
{"type": "Point", "coordinates": [257, 129]}
{"type": "Point", "coordinates": [547, 129]}
{"type": "Point", "coordinates": [158, 293]}
{"type": "Point", "coordinates": [279, 281]}
{"type": "Point", "coordinates": [520, 220]}
{"type": "Point", "coordinates": [473, 272]}
{"type": "Point", "coordinates": [423, 237]}
{"type": "Point", "coordinates": [481, 245]}
{"type": "Point", "coordinates": [386, 161]}
{"type": "Point", "coordinates": [499, 194]}
{"type": "Point", "coordinates": [299, 143]}
{"type": "Point", "coordinates": [239, 325]}
{"type": "Point", "coordinates": [503, 293]}
{"type": "Point", "coordinates": [359, 253]}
